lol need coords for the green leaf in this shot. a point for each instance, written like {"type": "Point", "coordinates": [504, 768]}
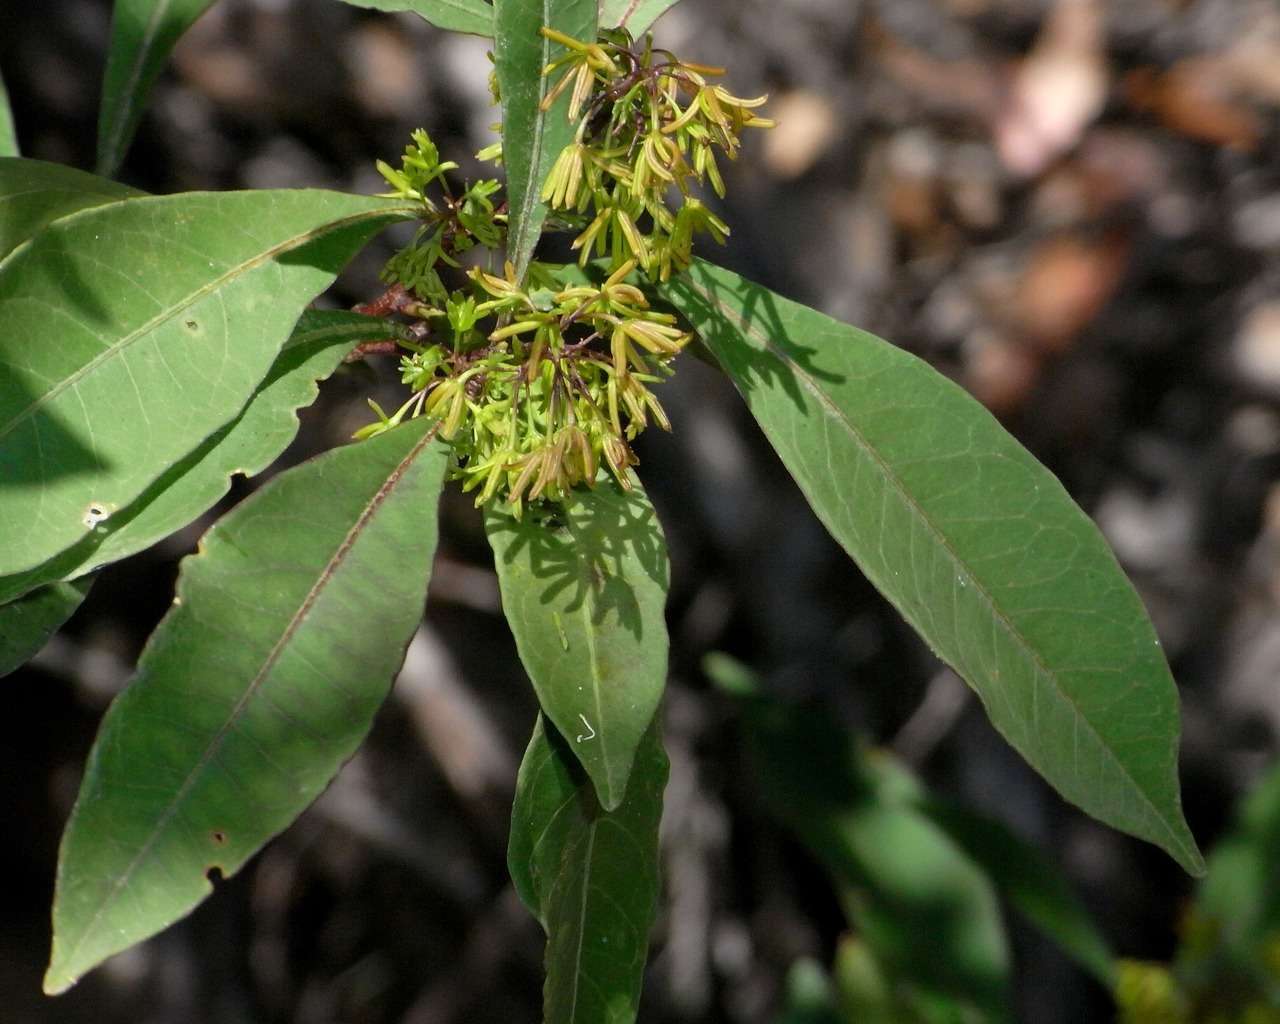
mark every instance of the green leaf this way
{"type": "Point", "coordinates": [808, 997]}
{"type": "Point", "coordinates": [589, 875]}
{"type": "Point", "coordinates": [584, 589]}
{"type": "Point", "coordinates": [867, 995]}
{"type": "Point", "coordinates": [473, 16]}
{"type": "Point", "coordinates": [8, 134]}
{"type": "Point", "coordinates": [1238, 906]}
{"type": "Point", "coordinates": [972, 540]}
{"type": "Point", "coordinates": [864, 993]}
{"type": "Point", "coordinates": [532, 139]}
{"type": "Point", "coordinates": [247, 445]}
{"type": "Point", "coordinates": [26, 625]}
{"type": "Point", "coordinates": [1030, 881]}
{"type": "Point", "coordinates": [167, 314]}
{"type": "Point", "coordinates": [634, 15]}
{"type": "Point", "coordinates": [258, 685]}
{"type": "Point", "coordinates": [922, 905]}
{"type": "Point", "coordinates": [143, 33]}
{"type": "Point", "coordinates": [34, 193]}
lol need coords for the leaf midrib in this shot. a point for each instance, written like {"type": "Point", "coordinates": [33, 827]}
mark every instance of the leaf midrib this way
{"type": "Point", "coordinates": [336, 330]}
{"type": "Point", "coordinates": [626, 14]}
{"type": "Point", "coordinates": [593, 658]}
{"type": "Point", "coordinates": [476, 10]}
{"type": "Point", "coordinates": [169, 313]}
{"type": "Point", "coordinates": [255, 684]}
{"type": "Point", "coordinates": [533, 187]}
{"type": "Point", "coordinates": [869, 450]}
{"type": "Point", "coordinates": [582, 920]}
{"type": "Point", "coordinates": [472, 8]}
{"type": "Point", "coordinates": [8, 130]}
{"type": "Point", "coordinates": [110, 156]}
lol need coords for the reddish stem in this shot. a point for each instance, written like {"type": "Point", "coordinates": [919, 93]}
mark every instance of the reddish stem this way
{"type": "Point", "coordinates": [393, 300]}
{"type": "Point", "coordinates": [375, 346]}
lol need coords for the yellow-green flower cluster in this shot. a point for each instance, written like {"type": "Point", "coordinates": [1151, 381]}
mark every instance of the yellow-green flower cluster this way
{"type": "Point", "coordinates": [649, 126]}
{"type": "Point", "coordinates": [541, 385]}
{"type": "Point", "coordinates": [451, 225]}
{"type": "Point", "coordinates": [540, 404]}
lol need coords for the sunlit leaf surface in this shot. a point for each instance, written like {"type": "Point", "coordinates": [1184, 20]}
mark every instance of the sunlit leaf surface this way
{"type": "Point", "coordinates": [972, 540]}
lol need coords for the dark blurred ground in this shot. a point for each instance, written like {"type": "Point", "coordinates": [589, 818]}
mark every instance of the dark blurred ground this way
{"type": "Point", "coordinates": [1071, 207]}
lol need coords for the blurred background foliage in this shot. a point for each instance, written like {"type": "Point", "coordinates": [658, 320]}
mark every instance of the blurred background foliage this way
{"type": "Point", "coordinates": [1070, 206]}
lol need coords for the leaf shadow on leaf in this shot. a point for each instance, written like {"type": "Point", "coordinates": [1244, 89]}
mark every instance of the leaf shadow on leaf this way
{"type": "Point", "coordinates": [584, 547]}
{"type": "Point", "coordinates": [58, 449]}
{"type": "Point", "coordinates": [330, 250]}
{"type": "Point", "coordinates": [66, 564]}
{"type": "Point", "coordinates": [60, 260]}
{"type": "Point", "coordinates": [725, 316]}
{"type": "Point", "coordinates": [44, 433]}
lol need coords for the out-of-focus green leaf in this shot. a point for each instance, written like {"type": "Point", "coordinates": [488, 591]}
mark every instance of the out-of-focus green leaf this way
{"type": "Point", "coordinates": [925, 909]}
{"type": "Point", "coordinates": [532, 138]}
{"type": "Point", "coordinates": [247, 445]}
{"type": "Point", "coordinates": [143, 33]}
{"type": "Point", "coordinates": [168, 313]}
{"type": "Point", "coordinates": [471, 16]}
{"type": "Point", "coordinates": [1148, 993]}
{"type": "Point", "coordinates": [1031, 883]}
{"type": "Point", "coordinates": [863, 993]}
{"type": "Point", "coordinates": [27, 624]}
{"type": "Point", "coordinates": [258, 685]}
{"type": "Point", "coordinates": [8, 134]}
{"type": "Point", "coordinates": [972, 540]}
{"type": "Point", "coordinates": [867, 995]}
{"type": "Point", "coordinates": [34, 193]}
{"type": "Point", "coordinates": [634, 15]}
{"type": "Point", "coordinates": [809, 997]}
{"type": "Point", "coordinates": [589, 875]}
{"type": "Point", "coordinates": [1237, 909]}
{"type": "Point", "coordinates": [584, 590]}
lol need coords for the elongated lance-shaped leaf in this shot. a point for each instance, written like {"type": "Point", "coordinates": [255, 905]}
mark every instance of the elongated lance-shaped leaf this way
{"type": "Point", "coordinates": [258, 685]}
{"type": "Point", "coordinates": [531, 137]}
{"type": "Point", "coordinates": [1030, 881]}
{"type": "Point", "coordinates": [247, 445]}
{"type": "Point", "coordinates": [590, 876]}
{"type": "Point", "coordinates": [634, 15]}
{"type": "Point", "coordinates": [584, 589]}
{"type": "Point", "coordinates": [472, 16]}
{"type": "Point", "coordinates": [27, 624]}
{"type": "Point", "coordinates": [34, 193]}
{"type": "Point", "coordinates": [143, 33]}
{"type": "Point", "coordinates": [8, 133]}
{"type": "Point", "coordinates": [973, 541]}
{"type": "Point", "coordinates": [134, 331]}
